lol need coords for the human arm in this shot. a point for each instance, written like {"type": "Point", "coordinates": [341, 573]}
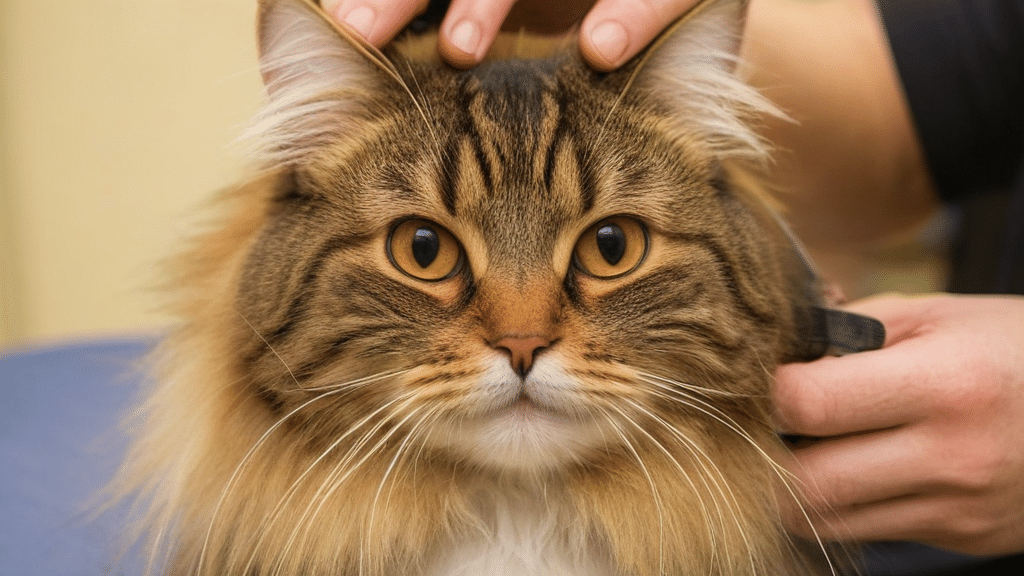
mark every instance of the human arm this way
{"type": "Point", "coordinates": [611, 32]}
{"type": "Point", "coordinates": [848, 162]}
{"type": "Point", "coordinates": [918, 441]}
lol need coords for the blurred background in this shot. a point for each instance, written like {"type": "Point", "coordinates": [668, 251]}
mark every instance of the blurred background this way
{"type": "Point", "coordinates": [118, 121]}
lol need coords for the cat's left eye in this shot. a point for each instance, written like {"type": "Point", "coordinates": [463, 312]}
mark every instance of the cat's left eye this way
{"type": "Point", "coordinates": [424, 250]}
{"type": "Point", "coordinates": [611, 248]}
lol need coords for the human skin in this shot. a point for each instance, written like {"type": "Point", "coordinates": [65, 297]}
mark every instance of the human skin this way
{"type": "Point", "coordinates": [612, 31]}
{"type": "Point", "coordinates": [921, 440]}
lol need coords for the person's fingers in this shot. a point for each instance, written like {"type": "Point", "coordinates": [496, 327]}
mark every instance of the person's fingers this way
{"type": "Point", "coordinates": [857, 393]}
{"type": "Point", "coordinates": [911, 518]}
{"type": "Point", "coordinates": [616, 30]}
{"type": "Point", "coordinates": [469, 28]}
{"type": "Point", "coordinates": [864, 391]}
{"type": "Point", "coordinates": [850, 471]}
{"type": "Point", "coordinates": [377, 21]}
{"type": "Point", "coordinates": [941, 521]}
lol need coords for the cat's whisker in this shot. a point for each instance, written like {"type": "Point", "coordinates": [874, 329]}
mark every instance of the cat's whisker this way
{"type": "Point", "coordinates": [235, 475]}
{"type": "Point", "coordinates": [679, 393]}
{"type": "Point", "coordinates": [427, 113]}
{"type": "Point", "coordinates": [344, 470]}
{"type": "Point", "coordinates": [299, 524]}
{"type": "Point", "coordinates": [274, 514]}
{"type": "Point", "coordinates": [786, 478]}
{"type": "Point", "coordinates": [654, 489]}
{"type": "Point", "coordinates": [693, 387]}
{"type": "Point", "coordinates": [699, 455]}
{"type": "Point", "coordinates": [400, 452]}
{"type": "Point", "coordinates": [271, 348]}
{"type": "Point", "coordinates": [363, 380]}
{"type": "Point", "coordinates": [704, 479]}
{"type": "Point", "coordinates": [715, 413]}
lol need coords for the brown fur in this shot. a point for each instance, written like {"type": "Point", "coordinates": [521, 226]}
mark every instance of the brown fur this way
{"type": "Point", "coordinates": [255, 457]}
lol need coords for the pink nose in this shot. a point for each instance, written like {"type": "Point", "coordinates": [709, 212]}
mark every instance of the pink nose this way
{"type": "Point", "coordinates": [522, 351]}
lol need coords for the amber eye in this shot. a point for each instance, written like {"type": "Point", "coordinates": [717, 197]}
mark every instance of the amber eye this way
{"type": "Point", "coordinates": [424, 250]}
{"type": "Point", "coordinates": [613, 247]}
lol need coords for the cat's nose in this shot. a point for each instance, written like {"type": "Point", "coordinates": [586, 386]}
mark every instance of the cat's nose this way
{"type": "Point", "coordinates": [522, 351]}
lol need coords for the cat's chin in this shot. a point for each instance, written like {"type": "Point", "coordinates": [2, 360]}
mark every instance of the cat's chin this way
{"type": "Point", "coordinates": [523, 434]}
{"type": "Point", "coordinates": [527, 438]}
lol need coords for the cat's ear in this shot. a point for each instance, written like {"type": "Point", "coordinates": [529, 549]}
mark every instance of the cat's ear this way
{"type": "Point", "coordinates": [319, 78]}
{"type": "Point", "coordinates": [691, 68]}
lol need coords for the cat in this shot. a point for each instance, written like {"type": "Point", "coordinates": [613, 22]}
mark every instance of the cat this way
{"type": "Point", "coordinates": [519, 319]}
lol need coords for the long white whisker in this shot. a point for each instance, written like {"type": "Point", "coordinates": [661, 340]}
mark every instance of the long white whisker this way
{"type": "Point", "coordinates": [400, 452]}
{"type": "Point", "coordinates": [692, 387]}
{"type": "Point", "coordinates": [784, 475]}
{"type": "Point", "coordinates": [342, 472]}
{"type": "Point", "coordinates": [248, 457]}
{"type": "Point", "coordinates": [699, 453]}
{"type": "Point", "coordinates": [281, 360]}
{"type": "Point", "coordinates": [686, 476]}
{"type": "Point", "coordinates": [272, 518]}
{"type": "Point", "coordinates": [654, 490]}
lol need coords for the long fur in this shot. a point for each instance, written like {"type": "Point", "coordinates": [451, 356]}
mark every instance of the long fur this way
{"type": "Point", "coordinates": [320, 412]}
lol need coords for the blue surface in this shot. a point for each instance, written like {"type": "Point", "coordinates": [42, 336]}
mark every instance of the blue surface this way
{"type": "Point", "coordinates": [59, 444]}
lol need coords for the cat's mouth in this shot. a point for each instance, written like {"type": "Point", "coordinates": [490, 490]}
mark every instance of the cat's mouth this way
{"type": "Point", "coordinates": [525, 405]}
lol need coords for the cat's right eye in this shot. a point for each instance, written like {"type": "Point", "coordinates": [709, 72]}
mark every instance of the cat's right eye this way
{"type": "Point", "coordinates": [424, 250]}
{"type": "Point", "coordinates": [611, 248]}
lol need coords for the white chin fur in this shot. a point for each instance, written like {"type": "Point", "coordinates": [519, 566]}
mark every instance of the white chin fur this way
{"type": "Point", "coordinates": [527, 436]}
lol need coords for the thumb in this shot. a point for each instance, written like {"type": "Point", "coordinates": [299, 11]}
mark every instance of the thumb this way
{"type": "Point", "coordinates": [902, 315]}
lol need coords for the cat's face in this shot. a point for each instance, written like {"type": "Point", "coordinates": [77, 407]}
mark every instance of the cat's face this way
{"type": "Point", "coordinates": [524, 265]}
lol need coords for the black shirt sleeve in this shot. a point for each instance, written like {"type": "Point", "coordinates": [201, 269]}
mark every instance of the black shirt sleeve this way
{"type": "Point", "coordinates": [962, 67]}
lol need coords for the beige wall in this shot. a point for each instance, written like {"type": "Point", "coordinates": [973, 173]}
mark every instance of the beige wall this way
{"type": "Point", "coordinates": [118, 119]}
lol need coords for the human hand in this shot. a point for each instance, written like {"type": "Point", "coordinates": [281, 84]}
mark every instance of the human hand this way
{"type": "Point", "coordinates": [922, 440]}
{"type": "Point", "coordinates": [611, 33]}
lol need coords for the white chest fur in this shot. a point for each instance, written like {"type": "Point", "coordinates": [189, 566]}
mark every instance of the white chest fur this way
{"type": "Point", "coordinates": [517, 538]}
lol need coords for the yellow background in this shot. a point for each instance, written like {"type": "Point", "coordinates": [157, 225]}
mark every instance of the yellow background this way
{"type": "Point", "coordinates": [118, 119]}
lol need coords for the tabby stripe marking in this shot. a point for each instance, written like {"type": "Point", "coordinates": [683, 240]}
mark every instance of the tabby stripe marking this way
{"type": "Point", "coordinates": [707, 242]}
{"type": "Point", "coordinates": [297, 307]}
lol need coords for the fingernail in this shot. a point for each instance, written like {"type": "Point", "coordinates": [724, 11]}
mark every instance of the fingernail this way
{"type": "Point", "coordinates": [361, 20]}
{"type": "Point", "coordinates": [465, 36]}
{"type": "Point", "coordinates": [610, 40]}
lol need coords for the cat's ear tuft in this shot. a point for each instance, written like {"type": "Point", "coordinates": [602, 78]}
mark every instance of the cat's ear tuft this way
{"type": "Point", "coordinates": [318, 79]}
{"type": "Point", "coordinates": [692, 69]}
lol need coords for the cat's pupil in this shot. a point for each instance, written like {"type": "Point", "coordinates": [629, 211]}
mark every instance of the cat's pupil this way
{"type": "Point", "coordinates": [425, 246]}
{"type": "Point", "coordinates": [611, 242]}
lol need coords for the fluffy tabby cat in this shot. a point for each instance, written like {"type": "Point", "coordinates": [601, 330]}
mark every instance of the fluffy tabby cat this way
{"type": "Point", "coordinates": [520, 319]}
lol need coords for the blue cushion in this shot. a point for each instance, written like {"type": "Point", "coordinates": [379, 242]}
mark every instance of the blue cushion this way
{"type": "Point", "coordinates": [59, 444]}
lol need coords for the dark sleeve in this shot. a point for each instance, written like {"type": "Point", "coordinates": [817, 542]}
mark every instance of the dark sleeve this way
{"type": "Point", "coordinates": [962, 67]}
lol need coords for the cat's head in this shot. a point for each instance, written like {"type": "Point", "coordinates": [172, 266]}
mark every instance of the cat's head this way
{"type": "Point", "coordinates": [525, 265]}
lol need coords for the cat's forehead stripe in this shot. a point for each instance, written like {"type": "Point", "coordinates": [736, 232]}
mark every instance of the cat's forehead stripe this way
{"type": "Point", "coordinates": [512, 134]}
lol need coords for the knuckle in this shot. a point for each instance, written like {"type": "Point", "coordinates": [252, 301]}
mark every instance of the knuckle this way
{"type": "Point", "coordinates": [800, 406]}
{"type": "Point", "coordinates": [972, 527]}
{"type": "Point", "coordinates": [979, 471]}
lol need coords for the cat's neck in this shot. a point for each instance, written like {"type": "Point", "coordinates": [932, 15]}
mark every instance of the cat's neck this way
{"type": "Point", "coordinates": [520, 528]}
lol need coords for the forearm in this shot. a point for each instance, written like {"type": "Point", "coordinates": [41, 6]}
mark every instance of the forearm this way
{"type": "Point", "coordinates": [850, 167]}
